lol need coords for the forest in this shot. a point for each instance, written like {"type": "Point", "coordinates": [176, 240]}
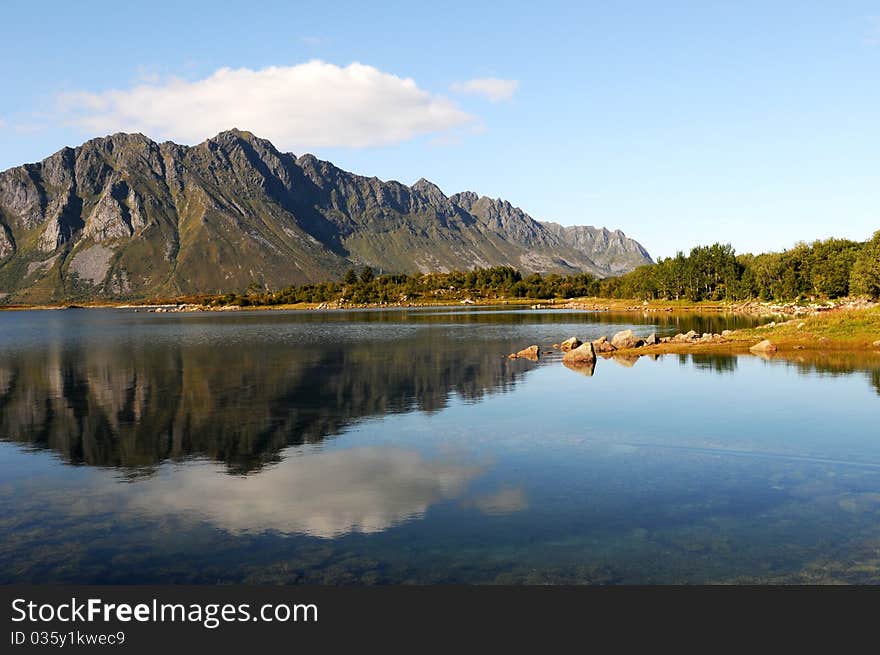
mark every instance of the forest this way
{"type": "Point", "coordinates": [832, 268]}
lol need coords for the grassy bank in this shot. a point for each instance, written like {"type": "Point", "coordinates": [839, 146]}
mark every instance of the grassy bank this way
{"type": "Point", "coordinates": [851, 330]}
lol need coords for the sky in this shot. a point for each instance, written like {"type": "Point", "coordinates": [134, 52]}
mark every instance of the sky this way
{"type": "Point", "coordinates": [680, 123]}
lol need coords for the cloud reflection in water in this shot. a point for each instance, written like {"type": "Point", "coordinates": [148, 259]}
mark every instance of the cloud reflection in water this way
{"type": "Point", "coordinates": [324, 494]}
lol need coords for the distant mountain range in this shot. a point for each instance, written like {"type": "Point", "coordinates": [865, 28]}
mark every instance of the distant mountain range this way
{"type": "Point", "coordinates": [124, 217]}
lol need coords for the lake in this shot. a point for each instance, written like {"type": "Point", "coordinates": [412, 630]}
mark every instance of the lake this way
{"type": "Point", "coordinates": [402, 446]}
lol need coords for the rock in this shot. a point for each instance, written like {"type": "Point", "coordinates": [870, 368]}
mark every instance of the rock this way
{"type": "Point", "coordinates": [570, 344]}
{"type": "Point", "coordinates": [686, 338]}
{"type": "Point", "coordinates": [583, 353]}
{"type": "Point", "coordinates": [601, 345]}
{"type": "Point", "coordinates": [532, 352]}
{"type": "Point", "coordinates": [108, 219]}
{"type": "Point", "coordinates": [726, 333]}
{"type": "Point", "coordinates": [876, 344]}
{"type": "Point", "coordinates": [626, 339]}
{"type": "Point", "coordinates": [7, 245]}
{"type": "Point", "coordinates": [801, 325]}
{"type": "Point", "coordinates": [652, 340]}
{"type": "Point", "coordinates": [764, 346]}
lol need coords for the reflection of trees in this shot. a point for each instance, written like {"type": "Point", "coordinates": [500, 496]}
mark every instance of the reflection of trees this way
{"type": "Point", "coordinates": [836, 364]}
{"type": "Point", "coordinates": [680, 321]}
{"type": "Point", "coordinates": [807, 363]}
{"type": "Point", "coordinates": [135, 407]}
{"type": "Point", "coordinates": [717, 363]}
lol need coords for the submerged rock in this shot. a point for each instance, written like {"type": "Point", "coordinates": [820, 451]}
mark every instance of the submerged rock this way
{"type": "Point", "coordinates": [532, 352]}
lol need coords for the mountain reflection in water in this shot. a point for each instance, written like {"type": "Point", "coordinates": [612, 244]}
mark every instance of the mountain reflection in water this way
{"type": "Point", "coordinates": [133, 409]}
{"type": "Point", "coordinates": [404, 447]}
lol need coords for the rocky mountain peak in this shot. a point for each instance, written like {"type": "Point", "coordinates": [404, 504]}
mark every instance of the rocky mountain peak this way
{"type": "Point", "coordinates": [430, 191]}
{"type": "Point", "coordinates": [122, 216]}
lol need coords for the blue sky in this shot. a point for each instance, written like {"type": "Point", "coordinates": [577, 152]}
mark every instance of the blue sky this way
{"type": "Point", "coordinates": [681, 123]}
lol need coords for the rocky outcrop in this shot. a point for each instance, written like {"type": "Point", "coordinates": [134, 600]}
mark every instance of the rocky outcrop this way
{"type": "Point", "coordinates": [618, 252]}
{"type": "Point", "coordinates": [7, 245]}
{"type": "Point", "coordinates": [233, 211]}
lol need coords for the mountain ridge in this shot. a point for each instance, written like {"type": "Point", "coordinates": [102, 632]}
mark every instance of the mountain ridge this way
{"type": "Point", "coordinates": [125, 217]}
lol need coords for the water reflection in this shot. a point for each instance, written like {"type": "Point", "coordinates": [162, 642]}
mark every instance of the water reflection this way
{"type": "Point", "coordinates": [717, 363]}
{"type": "Point", "coordinates": [833, 364]}
{"type": "Point", "coordinates": [448, 462]}
{"type": "Point", "coordinates": [323, 494]}
{"type": "Point", "coordinates": [584, 368]}
{"type": "Point", "coordinates": [134, 404]}
{"type": "Point", "coordinates": [133, 408]}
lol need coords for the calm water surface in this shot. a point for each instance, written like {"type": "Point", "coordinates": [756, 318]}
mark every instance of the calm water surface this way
{"type": "Point", "coordinates": [403, 447]}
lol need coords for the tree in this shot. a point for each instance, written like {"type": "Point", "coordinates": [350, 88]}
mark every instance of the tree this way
{"type": "Point", "coordinates": [865, 277]}
{"type": "Point", "coordinates": [367, 275]}
{"type": "Point", "coordinates": [350, 277]}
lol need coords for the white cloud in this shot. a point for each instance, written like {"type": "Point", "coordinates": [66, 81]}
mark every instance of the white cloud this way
{"type": "Point", "coordinates": [309, 105]}
{"type": "Point", "coordinates": [491, 88]}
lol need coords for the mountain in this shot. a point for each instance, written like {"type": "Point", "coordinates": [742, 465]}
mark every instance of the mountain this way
{"type": "Point", "coordinates": [125, 217]}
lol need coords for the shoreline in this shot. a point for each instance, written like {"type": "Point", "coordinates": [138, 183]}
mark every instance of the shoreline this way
{"type": "Point", "coordinates": [846, 324]}
{"type": "Point", "coordinates": [590, 304]}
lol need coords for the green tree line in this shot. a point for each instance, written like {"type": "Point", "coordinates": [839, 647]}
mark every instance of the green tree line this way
{"type": "Point", "coordinates": [365, 286]}
{"type": "Point", "coordinates": [832, 268]}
